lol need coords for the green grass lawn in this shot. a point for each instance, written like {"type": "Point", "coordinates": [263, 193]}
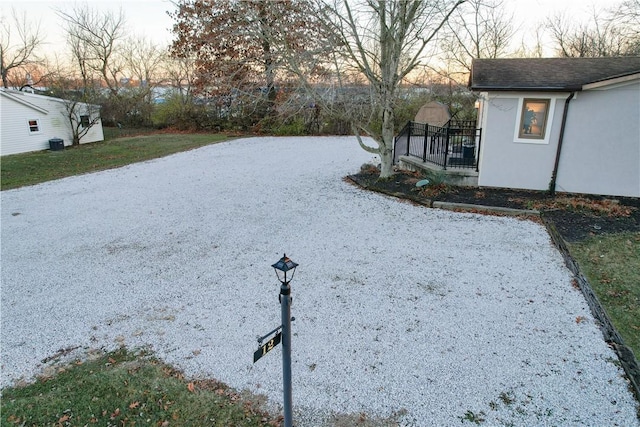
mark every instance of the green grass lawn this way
{"type": "Point", "coordinates": [128, 389]}
{"type": "Point", "coordinates": [33, 168]}
{"type": "Point", "coordinates": [611, 264]}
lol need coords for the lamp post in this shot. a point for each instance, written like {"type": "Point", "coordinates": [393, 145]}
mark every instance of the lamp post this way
{"type": "Point", "coordinates": [282, 268]}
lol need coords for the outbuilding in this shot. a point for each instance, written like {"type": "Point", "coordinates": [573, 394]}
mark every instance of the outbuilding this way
{"type": "Point", "coordinates": [30, 121]}
{"type": "Point", "coordinates": [562, 124]}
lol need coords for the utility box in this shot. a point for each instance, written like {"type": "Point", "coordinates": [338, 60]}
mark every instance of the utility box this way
{"type": "Point", "coordinates": [468, 151]}
{"type": "Point", "coordinates": [56, 144]}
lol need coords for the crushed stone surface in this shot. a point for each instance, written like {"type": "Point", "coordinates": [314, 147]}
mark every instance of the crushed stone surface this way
{"type": "Point", "coordinates": [409, 315]}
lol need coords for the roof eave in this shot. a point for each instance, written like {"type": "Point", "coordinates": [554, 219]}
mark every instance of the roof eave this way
{"type": "Point", "coordinates": [525, 89]}
{"type": "Point", "coordinates": [21, 101]}
{"type": "Point", "coordinates": [613, 80]}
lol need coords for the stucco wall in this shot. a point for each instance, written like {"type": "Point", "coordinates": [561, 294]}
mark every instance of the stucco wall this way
{"type": "Point", "coordinates": [507, 163]}
{"type": "Point", "coordinates": [601, 149]}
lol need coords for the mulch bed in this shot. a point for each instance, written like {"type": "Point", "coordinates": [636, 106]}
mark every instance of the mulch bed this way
{"type": "Point", "coordinates": [575, 216]}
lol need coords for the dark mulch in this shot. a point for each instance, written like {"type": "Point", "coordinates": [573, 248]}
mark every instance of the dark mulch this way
{"type": "Point", "coordinates": [574, 216]}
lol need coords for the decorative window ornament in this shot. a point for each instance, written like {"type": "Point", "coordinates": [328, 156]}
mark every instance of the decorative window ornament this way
{"type": "Point", "coordinates": [533, 118]}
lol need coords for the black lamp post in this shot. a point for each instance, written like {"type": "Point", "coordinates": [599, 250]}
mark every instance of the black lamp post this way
{"type": "Point", "coordinates": [284, 267]}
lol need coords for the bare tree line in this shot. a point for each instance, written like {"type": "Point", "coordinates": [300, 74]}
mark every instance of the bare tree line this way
{"type": "Point", "coordinates": [614, 32]}
{"type": "Point", "coordinates": [293, 66]}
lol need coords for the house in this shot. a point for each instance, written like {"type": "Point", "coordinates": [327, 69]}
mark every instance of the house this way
{"type": "Point", "coordinates": [29, 121]}
{"type": "Point", "coordinates": [563, 124]}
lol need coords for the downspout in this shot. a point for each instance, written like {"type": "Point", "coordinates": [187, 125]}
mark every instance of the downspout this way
{"type": "Point", "coordinates": [554, 175]}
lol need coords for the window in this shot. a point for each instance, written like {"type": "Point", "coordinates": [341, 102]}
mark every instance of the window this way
{"type": "Point", "coordinates": [533, 118]}
{"type": "Point", "coordinates": [34, 126]}
{"type": "Point", "coordinates": [84, 121]}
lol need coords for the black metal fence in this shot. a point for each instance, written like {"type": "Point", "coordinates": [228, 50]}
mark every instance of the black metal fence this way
{"type": "Point", "coordinates": [455, 145]}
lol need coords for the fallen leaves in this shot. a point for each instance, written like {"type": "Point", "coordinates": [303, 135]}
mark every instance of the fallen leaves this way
{"type": "Point", "coordinates": [115, 414]}
{"type": "Point", "coordinates": [608, 207]}
{"type": "Point", "coordinates": [13, 419]}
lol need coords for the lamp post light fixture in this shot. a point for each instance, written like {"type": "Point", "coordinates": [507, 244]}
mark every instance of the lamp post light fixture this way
{"type": "Point", "coordinates": [283, 267]}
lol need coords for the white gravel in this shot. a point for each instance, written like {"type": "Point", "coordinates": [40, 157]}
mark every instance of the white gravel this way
{"type": "Point", "coordinates": [403, 313]}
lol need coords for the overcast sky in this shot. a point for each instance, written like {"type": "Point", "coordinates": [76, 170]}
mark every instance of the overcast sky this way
{"type": "Point", "coordinates": [149, 17]}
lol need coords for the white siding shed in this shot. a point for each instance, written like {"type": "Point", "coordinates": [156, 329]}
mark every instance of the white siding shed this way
{"type": "Point", "coordinates": [29, 121]}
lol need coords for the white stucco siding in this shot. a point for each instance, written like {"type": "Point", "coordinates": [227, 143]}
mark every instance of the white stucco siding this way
{"type": "Point", "coordinates": [504, 162]}
{"type": "Point", "coordinates": [601, 149]}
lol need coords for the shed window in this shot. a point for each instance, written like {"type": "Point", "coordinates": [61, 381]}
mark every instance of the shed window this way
{"type": "Point", "coordinates": [34, 126]}
{"type": "Point", "coordinates": [533, 118]}
{"type": "Point", "coordinates": [84, 121]}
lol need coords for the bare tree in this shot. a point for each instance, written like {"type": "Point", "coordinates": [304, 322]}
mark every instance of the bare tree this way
{"type": "Point", "coordinates": [628, 17]}
{"type": "Point", "coordinates": [178, 107]}
{"type": "Point", "coordinates": [95, 39]}
{"type": "Point", "coordinates": [62, 82]}
{"type": "Point", "coordinates": [629, 14]}
{"type": "Point", "coordinates": [181, 73]}
{"type": "Point", "coordinates": [81, 117]}
{"type": "Point", "coordinates": [385, 40]}
{"type": "Point", "coordinates": [143, 60]}
{"type": "Point", "coordinates": [107, 59]}
{"type": "Point", "coordinates": [611, 32]}
{"type": "Point", "coordinates": [19, 40]}
{"type": "Point", "coordinates": [570, 40]}
{"type": "Point", "coordinates": [532, 45]}
{"type": "Point", "coordinates": [478, 29]}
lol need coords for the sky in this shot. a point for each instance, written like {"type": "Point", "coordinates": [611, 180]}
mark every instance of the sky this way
{"type": "Point", "coordinates": [143, 17]}
{"type": "Point", "coordinates": [149, 17]}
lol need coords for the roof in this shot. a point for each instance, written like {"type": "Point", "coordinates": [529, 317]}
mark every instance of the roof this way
{"type": "Point", "coordinates": [548, 74]}
{"type": "Point", "coordinates": [19, 97]}
{"type": "Point", "coordinates": [29, 99]}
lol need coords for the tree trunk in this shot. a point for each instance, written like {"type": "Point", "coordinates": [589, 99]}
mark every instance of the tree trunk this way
{"type": "Point", "coordinates": [388, 137]}
{"type": "Point", "coordinates": [269, 72]}
{"type": "Point", "coordinates": [386, 168]}
{"type": "Point", "coordinates": [390, 48]}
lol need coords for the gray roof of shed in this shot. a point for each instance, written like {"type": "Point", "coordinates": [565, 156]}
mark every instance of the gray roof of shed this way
{"type": "Point", "coordinates": [548, 74]}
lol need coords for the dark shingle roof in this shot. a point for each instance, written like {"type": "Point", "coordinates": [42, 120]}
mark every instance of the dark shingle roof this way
{"type": "Point", "coordinates": [549, 74]}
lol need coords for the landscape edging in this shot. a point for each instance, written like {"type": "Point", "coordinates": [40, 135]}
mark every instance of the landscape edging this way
{"type": "Point", "coordinates": [496, 209]}
{"type": "Point", "coordinates": [625, 354]}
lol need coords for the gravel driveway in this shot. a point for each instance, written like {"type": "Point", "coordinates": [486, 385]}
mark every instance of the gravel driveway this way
{"type": "Point", "coordinates": [407, 314]}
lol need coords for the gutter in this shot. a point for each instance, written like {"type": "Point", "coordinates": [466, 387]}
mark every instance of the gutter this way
{"type": "Point", "coordinates": [554, 175]}
{"type": "Point", "coordinates": [491, 88]}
